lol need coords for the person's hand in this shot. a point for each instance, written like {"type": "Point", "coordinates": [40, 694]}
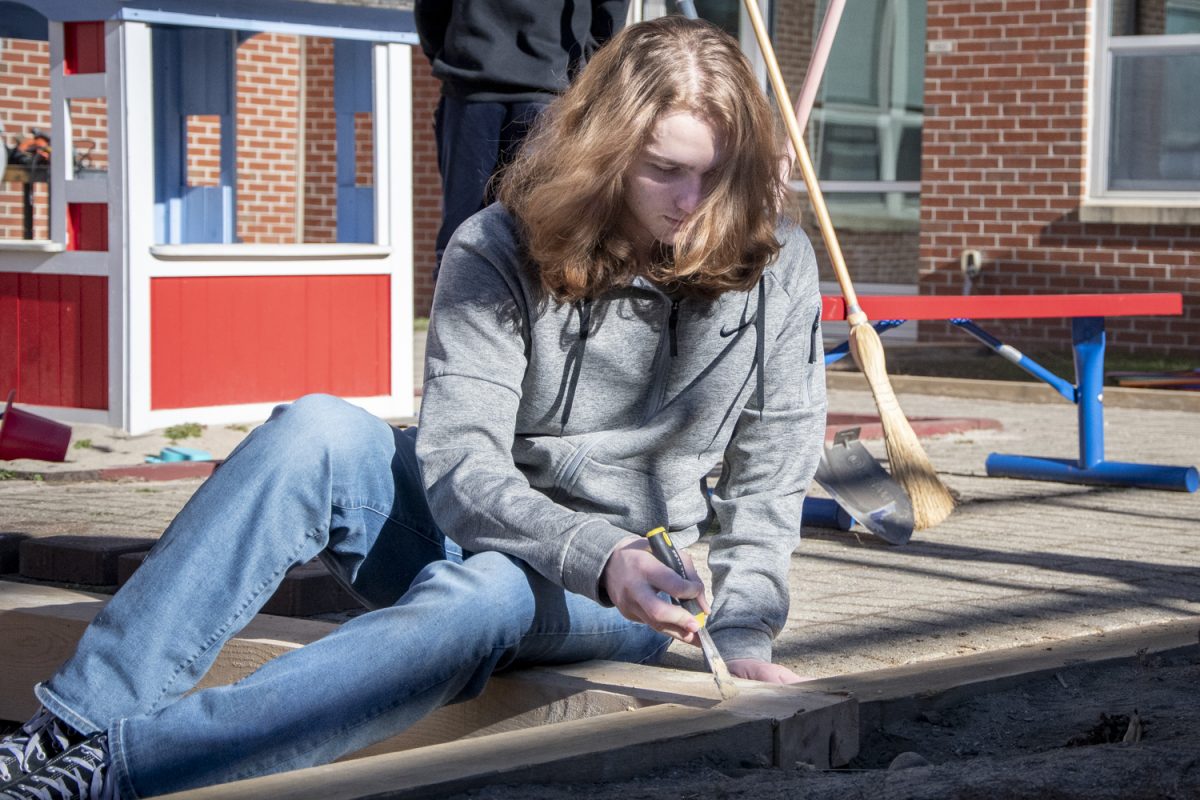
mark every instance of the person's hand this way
{"type": "Point", "coordinates": [755, 670]}
{"type": "Point", "coordinates": [633, 577]}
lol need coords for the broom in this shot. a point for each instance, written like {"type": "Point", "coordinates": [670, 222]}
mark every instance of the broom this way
{"type": "Point", "coordinates": [910, 466]}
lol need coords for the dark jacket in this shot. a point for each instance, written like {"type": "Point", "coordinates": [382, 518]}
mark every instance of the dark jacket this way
{"type": "Point", "coordinates": [513, 50]}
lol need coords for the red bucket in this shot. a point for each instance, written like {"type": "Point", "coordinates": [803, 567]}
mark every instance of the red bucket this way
{"type": "Point", "coordinates": [25, 435]}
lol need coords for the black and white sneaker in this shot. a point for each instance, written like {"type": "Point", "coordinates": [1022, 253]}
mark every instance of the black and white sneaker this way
{"type": "Point", "coordinates": [33, 744]}
{"type": "Point", "coordinates": [78, 773]}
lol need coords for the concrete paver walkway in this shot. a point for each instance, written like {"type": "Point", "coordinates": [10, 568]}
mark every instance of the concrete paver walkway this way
{"type": "Point", "coordinates": [1019, 562]}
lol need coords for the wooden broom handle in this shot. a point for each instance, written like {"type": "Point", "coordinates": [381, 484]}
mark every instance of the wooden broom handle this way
{"type": "Point", "coordinates": [806, 166]}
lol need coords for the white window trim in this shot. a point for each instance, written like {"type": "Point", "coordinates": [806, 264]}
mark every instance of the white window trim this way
{"type": "Point", "coordinates": [1101, 204]}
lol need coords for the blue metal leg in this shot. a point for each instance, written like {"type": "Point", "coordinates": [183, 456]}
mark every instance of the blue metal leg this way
{"type": "Point", "coordinates": [821, 512]}
{"type": "Point", "coordinates": [843, 349]}
{"type": "Point", "coordinates": [1088, 338]}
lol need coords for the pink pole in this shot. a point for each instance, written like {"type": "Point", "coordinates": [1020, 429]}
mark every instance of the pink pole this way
{"type": "Point", "coordinates": [816, 65]}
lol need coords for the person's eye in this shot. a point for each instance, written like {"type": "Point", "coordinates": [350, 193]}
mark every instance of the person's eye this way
{"type": "Point", "coordinates": [665, 169]}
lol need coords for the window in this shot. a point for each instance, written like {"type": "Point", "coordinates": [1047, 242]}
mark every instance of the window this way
{"type": "Point", "coordinates": [262, 138]}
{"type": "Point", "coordinates": [865, 131]}
{"type": "Point", "coordinates": [1146, 126]}
{"type": "Point", "coordinates": [24, 124]}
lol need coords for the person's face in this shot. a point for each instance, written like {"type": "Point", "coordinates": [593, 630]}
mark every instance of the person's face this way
{"type": "Point", "coordinates": [669, 179]}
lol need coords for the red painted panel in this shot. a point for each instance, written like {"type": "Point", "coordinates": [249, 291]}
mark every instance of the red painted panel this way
{"type": "Point", "coordinates": [70, 382]}
{"type": "Point", "coordinates": [87, 226]}
{"type": "Point", "coordinates": [83, 47]}
{"type": "Point", "coordinates": [93, 343]}
{"type": "Point", "coordinates": [232, 340]}
{"type": "Point", "coordinates": [10, 339]}
{"type": "Point", "coordinates": [1031, 306]}
{"type": "Point", "coordinates": [54, 339]}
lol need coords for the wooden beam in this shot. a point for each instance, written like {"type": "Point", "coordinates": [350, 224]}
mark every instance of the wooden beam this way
{"type": "Point", "coordinates": [599, 719]}
{"type": "Point", "coordinates": [611, 747]}
{"type": "Point", "coordinates": [41, 625]}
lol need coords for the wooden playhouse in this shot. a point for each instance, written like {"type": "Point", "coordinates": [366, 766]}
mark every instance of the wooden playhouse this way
{"type": "Point", "coordinates": [222, 219]}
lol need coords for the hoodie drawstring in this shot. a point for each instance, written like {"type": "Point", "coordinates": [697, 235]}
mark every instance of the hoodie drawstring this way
{"type": "Point", "coordinates": [584, 307]}
{"type": "Point", "coordinates": [760, 344]}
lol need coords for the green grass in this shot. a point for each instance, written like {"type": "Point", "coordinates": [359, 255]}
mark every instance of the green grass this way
{"type": "Point", "coordinates": [82, 444]}
{"type": "Point", "coordinates": [186, 430]}
{"type": "Point", "coordinates": [421, 324]}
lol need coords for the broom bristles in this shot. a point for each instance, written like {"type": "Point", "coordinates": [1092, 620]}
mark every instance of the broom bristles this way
{"type": "Point", "coordinates": [910, 466]}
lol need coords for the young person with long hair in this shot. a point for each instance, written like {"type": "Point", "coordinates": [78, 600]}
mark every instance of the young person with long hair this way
{"type": "Point", "coordinates": [631, 314]}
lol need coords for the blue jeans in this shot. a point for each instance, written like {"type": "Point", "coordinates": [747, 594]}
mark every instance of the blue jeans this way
{"type": "Point", "coordinates": [475, 139]}
{"type": "Point", "coordinates": [321, 477]}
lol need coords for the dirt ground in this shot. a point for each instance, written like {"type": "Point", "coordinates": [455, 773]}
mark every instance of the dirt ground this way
{"type": "Point", "coordinates": [1053, 737]}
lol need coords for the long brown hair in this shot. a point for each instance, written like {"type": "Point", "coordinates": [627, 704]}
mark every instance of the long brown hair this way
{"type": "Point", "coordinates": [567, 187]}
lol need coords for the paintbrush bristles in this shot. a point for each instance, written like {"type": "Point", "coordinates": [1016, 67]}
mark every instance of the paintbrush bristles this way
{"type": "Point", "coordinates": [910, 466]}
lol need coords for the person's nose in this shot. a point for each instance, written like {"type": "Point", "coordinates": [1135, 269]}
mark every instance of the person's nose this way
{"type": "Point", "coordinates": [691, 192]}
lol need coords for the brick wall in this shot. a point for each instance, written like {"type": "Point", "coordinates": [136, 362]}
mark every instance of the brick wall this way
{"type": "Point", "coordinates": [24, 104]}
{"type": "Point", "coordinates": [427, 186]}
{"type": "Point", "coordinates": [1003, 172]}
{"type": "Point", "coordinates": [320, 159]}
{"type": "Point", "coordinates": [268, 80]}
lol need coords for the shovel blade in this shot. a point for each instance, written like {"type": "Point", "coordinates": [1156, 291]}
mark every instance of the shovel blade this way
{"type": "Point", "coordinates": [863, 488]}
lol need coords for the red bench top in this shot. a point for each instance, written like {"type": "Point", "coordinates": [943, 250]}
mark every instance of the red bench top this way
{"type": "Point", "coordinates": [1006, 306]}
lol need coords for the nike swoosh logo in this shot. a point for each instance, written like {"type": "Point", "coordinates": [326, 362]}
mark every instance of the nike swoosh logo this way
{"type": "Point", "coordinates": [727, 331]}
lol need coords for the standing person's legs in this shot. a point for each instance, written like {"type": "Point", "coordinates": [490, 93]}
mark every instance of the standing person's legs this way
{"type": "Point", "coordinates": [518, 121]}
{"type": "Point", "coordinates": [468, 147]}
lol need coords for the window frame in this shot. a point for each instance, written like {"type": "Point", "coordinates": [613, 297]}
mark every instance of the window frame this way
{"type": "Point", "coordinates": [1101, 202]}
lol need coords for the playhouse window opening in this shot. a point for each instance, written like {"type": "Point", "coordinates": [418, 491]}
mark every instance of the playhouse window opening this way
{"type": "Point", "coordinates": [25, 128]}
{"type": "Point", "coordinates": [88, 121]}
{"type": "Point", "coordinates": [263, 138]}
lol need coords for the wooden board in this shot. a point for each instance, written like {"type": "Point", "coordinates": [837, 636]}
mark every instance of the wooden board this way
{"type": "Point", "coordinates": [41, 625]}
{"type": "Point", "coordinates": [740, 731]}
{"type": "Point", "coordinates": [598, 718]}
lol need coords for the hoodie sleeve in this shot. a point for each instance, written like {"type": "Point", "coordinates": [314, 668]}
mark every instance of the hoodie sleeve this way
{"type": "Point", "coordinates": [768, 465]}
{"type": "Point", "coordinates": [432, 18]}
{"type": "Point", "coordinates": [475, 363]}
{"type": "Point", "coordinates": [608, 17]}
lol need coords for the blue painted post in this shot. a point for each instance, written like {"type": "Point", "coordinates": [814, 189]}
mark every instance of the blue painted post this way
{"type": "Point", "coordinates": [821, 512]}
{"type": "Point", "coordinates": [1087, 335]}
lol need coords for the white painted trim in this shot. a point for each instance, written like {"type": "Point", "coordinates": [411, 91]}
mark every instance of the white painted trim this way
{"type": "Point", "coordinates": [860, 187]}
{"type": "Point", "coordinates": [73, 262]}
{"type": "Point", "coordinates": [29, 246]}
{"type": "Point", "coordinates": [120, 63]}
{"type": "Point", "coordinates": [259, 269]}
{"type": "Point", "coordinates": [1149, 45]}
{"type": "Point", "coordinates": [386, 407]}
{"type": "Point", "coordinates": [394, 224]}
{"type": "Point", "coordinates": [87, 190]}
{"type": "Point", "coordinates": [250, 24]}
{"type": "Point", "coordinates": [268, 252]}
{"type": "Point", "coordinates": [86, 86]}
{"type": "Point", "coordinates": [60, 135]}
{"type": "Point", "coordinates": [137, 193]}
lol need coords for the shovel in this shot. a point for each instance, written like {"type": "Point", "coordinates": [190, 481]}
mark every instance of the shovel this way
{"type": "Point", "coordinates": [863, 488]}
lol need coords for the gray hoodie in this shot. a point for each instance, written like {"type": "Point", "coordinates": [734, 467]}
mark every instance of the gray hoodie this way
{"type": "Point", "coordinates": [552, 432]}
